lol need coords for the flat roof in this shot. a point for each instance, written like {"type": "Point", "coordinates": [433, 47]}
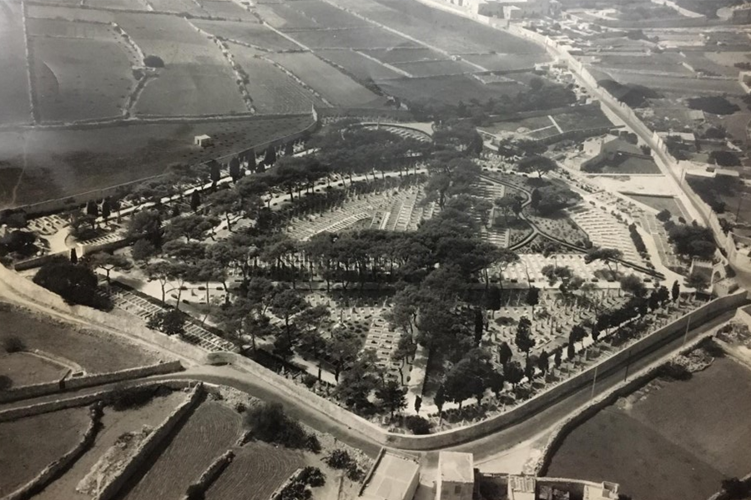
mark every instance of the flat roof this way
{"type": "Point", "coordinates": [391, 478]}
{"type": "Point", "coordinates": [457, 467]}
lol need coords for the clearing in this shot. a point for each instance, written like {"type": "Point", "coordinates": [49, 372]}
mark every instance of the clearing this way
{"type": "Point", "coordinates": [668, 440]}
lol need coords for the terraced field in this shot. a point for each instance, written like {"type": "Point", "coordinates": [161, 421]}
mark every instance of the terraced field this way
{"type": "Point", "coordinates": [257, 470]}
{"type": "Point", "coordinates": [24, 369]}
{"type": "Point", "coordinates": [30, 444]}
{"type": "Point", "coordinates": [436, 68]}
{"type": "Point", "coordinates": [256, 35]}
{"type": "Point", "coordinates": [366, 37]}
{"type": "Point", "coordinates": [210, 431]}
{"type": "Point", "coordinates": [448, 89]}
{"type": "Point", "coordinates": [334, 86]}
{"type": "Point", "coordinates": [358, 64]}
{"type": "Point", "coordinates": [15, 106]}
{"type": "Point", "coordinates": [272, 90]}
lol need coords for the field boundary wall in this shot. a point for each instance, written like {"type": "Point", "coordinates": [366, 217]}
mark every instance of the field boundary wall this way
{"type": "Point", "coordinates": [583, 414]}
{"type": "Point", "coordinates": [36, 390]}
{"type": "Point", "coordinates": [50, 473]}
{"type": "Point", "coordinates": [150, 444]}
{"type": "Point", "coordinates": [498, 422]}
{"type": "Point", "coordinates": [101, 320]}
{"type": "Point", "coordinates": [211, 474]}
{"type": "Point", "coordinates": [277, 494]}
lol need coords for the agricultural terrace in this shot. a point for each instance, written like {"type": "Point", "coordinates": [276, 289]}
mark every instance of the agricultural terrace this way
{"type": "Point", "coordinates": [373, 247]}
{"type": "Point", "coordinates": [265, 446]}
{"type": "Point", "coordinates": [685, 426]}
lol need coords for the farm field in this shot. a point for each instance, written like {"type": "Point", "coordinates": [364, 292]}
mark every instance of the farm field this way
{"type": "Point", "coordinates": [350, 38]}
{"type": "Point", "coordinates": [227, 9]}
{"type": "Point", "coordinates": [65, 162]}
{"type": "Point", "coordinates": [405, 54]}
{"type": "Point", "coordinates": [15, 106]}
{"type": "Point", "coordinates": [71, 83]}
{"type": "Point", "coordinates": [505, 62]}
{"type": "Point", "coordinates": [95, 353]}
{"type": "Point", "coordinates": [627, 164]}
{"type": "Point", "coordinates": [357, 64]}
{"type": "Point", "coordinates": [25, 369]}
{"type": "Point", "coordinates": [687, 86]}
{"type": "Point", "coordinates": [272, 90]}
{"type": "Point", "coordinates": [116, 4]}
{"type": "Point", "coordinates": [669, 440]}
{"type": "Point", "coordinates": [71, 13]}
{"type": "Point", "coordinates": [256, 35]}
{"type": "Point", "coordinates": [196, 77]}
{"type": "Point", "coordinates": [437, 68]}
{"type": "Point", "coordinates": [208, 432]}
{"type": "Point", "coordinates": [589, 118]}
{"type": "Point", "coordinates": [308, 14]}
{"type": "Point", "coordinates": [257, 470]}
{"type": "Point", "coordinates": [187, 6]}
{"type": "Point", "coordinates": [660, 203]}
{"type": "Point", "coordinates": [447, 89]}
{"type": "Point", "coordinates": [32, 443]}
{"type": "Point", "coordinates": [48, 27]}
{"type": "Point", "coordinates": [114, 424]}
{"type": "Point", "coordinates": [333, 85]}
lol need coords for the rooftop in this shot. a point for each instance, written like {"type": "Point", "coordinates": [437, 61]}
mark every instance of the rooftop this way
{"type": "Point", "coordinates": [391, 478]}
{"type": "Point", "coordinates": [456, 467]}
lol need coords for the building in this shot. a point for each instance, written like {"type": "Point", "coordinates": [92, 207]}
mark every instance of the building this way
{"type": "Point", "coordinates": [522, 488]}
{"type": "Point", "coordinates": [608, 149]}
{"type": "Point", "coordinates": [393, 477]}
{"type": "Point", "coordinates": [456, 476]}
{"type": "Point", "coordinates": [507, 9]}
{"type": "Point", "coordinates": [744, 78]}
{"type": "Point", "coordinates": [202, 140]}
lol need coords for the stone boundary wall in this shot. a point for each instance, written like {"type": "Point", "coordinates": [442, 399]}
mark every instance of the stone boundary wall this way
{"type": "Point", "coordinates": [276, 495]}
{"type": "Point", "coordinates": [371, 471]}
{"type": "Point", "coordinates": [391, 114]}
{"type": "Point", "coordinates": [63, 403]}
{"type": "Point", "coordinates": [583, 414]}
{"type": "Point", "coordinates": [211, 473]}
{"type": "Point", "coordinates": [493, 424]}
{"type": "Point", "coordinates": [150, 444]}
{"type": "Point", "coordinates": [36, 390]}
{"type": "Point", "coordinates": [44, 297]}
{"type": "Point", "coordinates": [575, 486]}
{"type": "Point", "coordinates": [50, 473]}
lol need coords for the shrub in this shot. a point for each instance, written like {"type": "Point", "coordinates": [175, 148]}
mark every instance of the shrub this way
{"type": "Point", "coordinates": [125, 398]}
{"type": "Point", "coordinates": [312, 444]}
{"type": "Point", "coordinates": [296, 490]}
{"type": "Point", "coordinates": [194, 492]}
{"type": "Point", "coordinates": [674, 371]}
{"type": "Point", "coordinates": [717, 105]}
{"type": "Point", "coordinates": [309, 380]}
{"type": "Point", "coordinates": [5, 382]}
{"type": "Point", "coordinates": [713, 349]}
{"type": "Point", "coordinates": [418, 425]}
{"type": "Point", "coordinates": [354, 473]}
{"type": "Point", "coordinates": [153, 61]}
{"type": "Point", "coordinates": [664, 215]}
{"type": "Point", "coordinates": [13, 344]}
{"type": "Point", "coordinates": [339, 459]}
{"type": "Point", "coordinates": [271, 424]}
{"type": "Point", "coordinates": [76, 284]}
{"type": "Point", "coordinates": [312, 476]}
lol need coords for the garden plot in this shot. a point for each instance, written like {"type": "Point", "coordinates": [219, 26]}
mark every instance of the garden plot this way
{"type": "Point", "coordinates": [227, 9]}
{"type": "Point", "coordinates": [15, 106]}
{"type": "Point", "coordinates": [660, 203]}
{"type": "Point", "coordinates": [196, 79]}
{"type": "Point", "coordinates": [437, 68]}
{"type": "Point", "coordinates": [669, 440]}
{"type": "Point", "coordinates": [581, 119]}
{"type": "Point", "coordinates": [349, 38]}
{"type": "Point", "coordinates": [257, 470]}
{"type": "Point", "coordinates": [357, 64]}
{"type": "Point", "coordinates": [24, 368]}
{"type": "Point", "coordinates": [256, 35]}
{"type": "Point", "coordinates": [334, 86]}
{"type": "Point", "coordinates": [448, 89]}
{"type": "Point", "coordinates": [30, 444]}
{"type": "Point", "coordinates": [114, 424]}
{"type": "Point", "coordinates": [63, 162]}
{"type": "Point", "coordinates": [209, 431]}
{"type": "Point", "coordinates": [96, 353]}
{"type": "Point", "coordinates": [70, 81]}
{"type": "Point", "coordinates": [273, 91]}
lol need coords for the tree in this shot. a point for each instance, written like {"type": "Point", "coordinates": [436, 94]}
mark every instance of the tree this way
{"type": "Point", "coordinates": [736, 489]}
{"type": "Point", "coordinates": [392, 397]}
{"type": "Point", "coordinates": [285, 304]}
{"type": "Point", "coordinates": [557, 357]}
{"type": "Point", "coordinates": [170, 322]}
{"type": "Point", "coordinates": [148, 224]}
{"type": "Point", "coordinates": [479, 325]}
{"type": "Point", "coordinates": [595, 332]}
{"type": "Point", "coordinates": [418, 403]}
{"type": "Point", "coordinates": [504, 354]}
{"type": "Point", "coordinates": [108, 263]}
{"type": "Point", "coordinates": [270, 423]}
{"type": "Point", "coordinates": [607, 255]}
{"type": "Point", "coordinates": [539, 164]}
{"type": "Point", "coordinates": [92, 209]}
{"type": "Point", "coordinates": [664, 215]}
{"type": "Point", "coordinates": [418, 425]}
{"type": "Point", "coordinates": [529, 369]}
{"type": "Point", "coordinates": [234, 169]}
{"type": "Point", "coordinates": [106, 209]}
{"type": "Point", "coordinates": [570, 351]}
{"type": "Point", "coordinates": [533, 297]}
{"type": "Point", "coordinates": [698, 282]}
{"type": "Point", "coordinates": [676, 290]}
{"type": "Point", "coordinates": [523, 339]}
{"type": "Point", "coordinates": [493, 298]}
{"type": "Point", "coordinates": [195, 200]}
{"type": "Point", "coordinates": [270, 157]}
{"type": "Point", "coordinates": [634, 286]}
{"type": "Point", "coordinates": [142, 250]}
{"type": "Point", "coordinates": [513, 373]}
{"type": "Point", "coordinates": [73, 256]}
{"type": "Point", "coordinates": [439, 400]}
{"type": "Point", "coordinates": [75, 284]}
{"type": "Point", "coordinates": [543, 362]}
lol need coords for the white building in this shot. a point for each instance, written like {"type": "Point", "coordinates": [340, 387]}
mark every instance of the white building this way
{"type": "Point", "coordinates": [394, 477]}
{"type": "Point", "coordinates": [202, 140]}
{"type": "Point", "coordinates": [508, 9]}
{"type": "Point", "coordinates": [456, 476]}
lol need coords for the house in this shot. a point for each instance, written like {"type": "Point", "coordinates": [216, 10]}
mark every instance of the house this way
{"type": "Point", "coordinates": [607, 148]}
{"type": "Point", "coordinates": [508, 9]}
{"type": "Point", "coordinates": [202, 140]}
{"type": "Point", "coordinates": [393, 477]}
{"type": "Point", "coordinates": [456, 476]}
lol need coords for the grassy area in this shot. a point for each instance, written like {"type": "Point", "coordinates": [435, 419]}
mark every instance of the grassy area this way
{"type": "Point", "coordinates": [660, 203]}
{"type": "Point", "coordinates": [669, 440]}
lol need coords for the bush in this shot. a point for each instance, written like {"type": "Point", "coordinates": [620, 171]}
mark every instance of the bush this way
{"type": "Point", "coordinates": [312, 476]}
{"type": "Point", "coordinates": [418, 425]}
{"type": "Point", "coordinates": [75, 284]}
{"type": "Point", "coordinates": [354, 473]}
{"type": "Point", "coordinates": [195, 492]}
{"type": "Point", "coordinates": [309, 380]}
{"type": "Point", "coordinates": [339, 459]}
{"type": "Point", "coordinates": [125, 398]}
{"type": "Point", "coordinates": [13, 344]}
{"type": "Point", "coordinates": [271, 424]}
{"type": "Point", "coordinates": [713, 349]}
{"type": "Point", "coordinates": [312, 444]}
{"type": "Point", "coordinates": [5, 382]}
{"type": "Point", "coordinates": [153, 61]}
{"type": "Point", "coordinates": [674, 371]}
{"type": "Point", "coordinates": [717, 105]}
{"type": "Point", "coordinates": [664, 215]}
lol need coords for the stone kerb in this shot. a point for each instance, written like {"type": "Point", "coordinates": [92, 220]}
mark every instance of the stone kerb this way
{"type": "Point", "coordinates": [49, 473]}
{"type": "Point", "coordinates": [36, 390]}
{"type": "Point", "coordinates": [149, 445]}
